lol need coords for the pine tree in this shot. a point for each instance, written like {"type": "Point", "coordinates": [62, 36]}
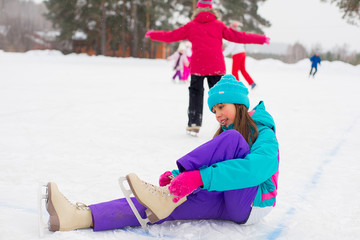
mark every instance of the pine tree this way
{"type": "Point", "coordinates": [350, 8]}
{"type": "Point", "coordinates": [124, 23]}
{"type": "Point", "coordinates": [246, 13]}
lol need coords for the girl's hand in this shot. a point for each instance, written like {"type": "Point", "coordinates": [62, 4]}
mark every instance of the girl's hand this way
{"type": "Point", "coordinates": [185, 183]}
{"type": "Point", "coordinates": [165, 178]}
{"type": "Point", "coordinates": [147, 34]}
{"type": "Point", "coordinates": [267, 40]}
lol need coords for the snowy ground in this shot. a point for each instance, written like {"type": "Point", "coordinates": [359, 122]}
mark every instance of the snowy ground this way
{"type": "Point", "coordinates": [84, 121]}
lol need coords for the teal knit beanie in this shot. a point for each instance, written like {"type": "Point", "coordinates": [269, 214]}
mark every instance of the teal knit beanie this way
{"type": "Point", "coordinates": [228, 90]}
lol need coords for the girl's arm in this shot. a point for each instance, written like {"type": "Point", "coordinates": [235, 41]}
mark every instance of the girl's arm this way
{"type": "Point", "coordinates": [178, 34]}
{"type": "Point", "coordinates": [243, 37]}
{"type": "Point", "coordinates": [258, 166]}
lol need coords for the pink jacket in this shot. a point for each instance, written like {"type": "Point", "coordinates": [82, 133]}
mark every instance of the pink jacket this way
{"type": "Point", "coordinates": [183, 60]}
{"type": "Point", "coordinates": [205, 33]}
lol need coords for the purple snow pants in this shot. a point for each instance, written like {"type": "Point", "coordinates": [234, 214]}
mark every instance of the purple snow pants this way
{"type": "Point", "coordinates": [234, 205]}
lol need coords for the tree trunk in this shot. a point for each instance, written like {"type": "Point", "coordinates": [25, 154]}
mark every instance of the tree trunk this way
{"type": "Point", "coordinates": [103, 28]}
{"type": "Point", "coordinates": [134, 40]}
{"type": "Point", "coordinates": [123, 29]}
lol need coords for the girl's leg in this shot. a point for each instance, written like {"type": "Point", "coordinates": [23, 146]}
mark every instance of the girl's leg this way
{"type": "Point", "coordinates": [315, 71]}
{"type": "Point", "coordinates": [243, 70]}
{"type": "Point", "coordinates": [228, 145]}
{"type": "Point", "coordinates": [213, 79]}
{"type": "Point", "coordinates": [196, 98]}
{"type": "Point", "coordinates": [235, 66]}
{"type": "Point", "coordinates": [230, 205]}
{"type": "Point", "coordinates": [115, 214]}
{"type": "Point", "coordinates": [177, 73]}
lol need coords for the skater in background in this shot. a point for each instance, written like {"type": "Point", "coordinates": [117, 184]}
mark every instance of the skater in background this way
{"type": "Point", "coordinates": [205, 32]}
{"type": "Point", "coordinates": [315, 60]}
{"type": "Point", "coordinates": [181, 61]}
{"type": "Point", "coordinates": [238, 54]}
{"type": "Point", "coordinates": [231, 177]}
{"type": "Point", "coordinates": [188, 53]}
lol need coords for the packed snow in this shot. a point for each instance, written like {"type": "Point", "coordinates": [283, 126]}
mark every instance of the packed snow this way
{"type": "Point", "coordinates": [83, 122]}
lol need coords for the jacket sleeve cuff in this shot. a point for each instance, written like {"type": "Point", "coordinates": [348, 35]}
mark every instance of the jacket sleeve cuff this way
{"type": "Point", "coordinates": [206, 177]}
{"type": "Point", "coordinates": [175, 172]}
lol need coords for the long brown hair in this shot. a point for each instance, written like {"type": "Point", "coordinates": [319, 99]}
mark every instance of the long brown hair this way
{"type": "Point", "coordinates": [244, 124]}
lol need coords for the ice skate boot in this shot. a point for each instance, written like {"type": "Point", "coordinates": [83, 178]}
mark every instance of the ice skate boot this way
{"type": "Point", "coordinates": [65, 216]}
{"type": "Point", "coordinates": [157, 200]}
{"type": "Point", "coordinates": [193, 130]}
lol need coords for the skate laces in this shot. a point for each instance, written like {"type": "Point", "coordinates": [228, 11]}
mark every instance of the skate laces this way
{"type": "Point", "coordinates": [78, 205]}
{"type": "Point", "coordinates": [81, 206]}
{"type": "Point", "coordinates": [162, 191]}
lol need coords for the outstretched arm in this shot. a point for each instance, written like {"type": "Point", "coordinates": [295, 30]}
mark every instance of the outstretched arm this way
{"type": "Point", "coordinates": [244, 37]}
{"type": "Point", "coordinates": [178, 34]}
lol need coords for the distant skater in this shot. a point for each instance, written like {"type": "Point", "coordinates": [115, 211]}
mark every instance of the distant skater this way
{"type": "Point", "coordinates": [181, 61]}
{"type": "Point", "coordinates": [238, 54]}
{"type": "Point", "coordinates": [315, 60]}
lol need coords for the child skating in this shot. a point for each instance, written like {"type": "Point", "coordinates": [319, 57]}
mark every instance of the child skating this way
{"type": "Point", "coordinates": [180, 62]}
{"type": "Point", "coordinates": [231, 177]}
{"type": "Point", "coordinates": [238, 55]}
{"type": "Point", "coordinates": [315, 60]}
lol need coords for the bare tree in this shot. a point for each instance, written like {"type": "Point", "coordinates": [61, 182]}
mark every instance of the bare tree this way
{"type": "Point", "coordinates": [295, 53]}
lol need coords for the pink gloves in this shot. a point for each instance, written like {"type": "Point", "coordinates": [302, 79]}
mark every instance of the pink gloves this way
{"type": "Point", "coordinates": [147, 34]}
{"type": "Point", "coordinates": [165, 178]}
{"type": "Point", "coordinates": [185, 183]}
{"type": "Point", "coordinates": [267, 40]}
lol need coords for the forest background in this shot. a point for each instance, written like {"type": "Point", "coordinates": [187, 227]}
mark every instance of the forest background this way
{"type": "Point", "coordinates": [108, 27]}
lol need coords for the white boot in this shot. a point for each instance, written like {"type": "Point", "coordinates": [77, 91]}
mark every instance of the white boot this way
{"type": "Point", "coordinates": [65, 216]}
{"type": "Point", "coordinates": [157, 200]}
{"type": "Point", "coordinates": [195, 129]}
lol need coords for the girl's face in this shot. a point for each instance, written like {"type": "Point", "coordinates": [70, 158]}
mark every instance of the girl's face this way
{"type": "Point", "coordinates": [225, 113]}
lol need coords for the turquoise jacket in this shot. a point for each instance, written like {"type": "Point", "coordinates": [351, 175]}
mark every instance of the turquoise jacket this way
{"type": "Point", "coordinates": [258, 168]}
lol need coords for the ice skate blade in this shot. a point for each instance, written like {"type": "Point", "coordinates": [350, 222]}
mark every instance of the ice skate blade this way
{"type": "Point", "coordinates": [42, 195]}
{"type": "Point", "coordinates": [193, 130]}
{"type": "Point", "coordinates": [127, 192]}
{"type": "Point", "coordinates": [192, 133]}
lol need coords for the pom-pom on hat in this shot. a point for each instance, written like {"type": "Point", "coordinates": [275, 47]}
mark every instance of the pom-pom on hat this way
{"type": "Point", "coordinates": [228, 90]}
{"type": "Point", "coordinates": [204, 3]}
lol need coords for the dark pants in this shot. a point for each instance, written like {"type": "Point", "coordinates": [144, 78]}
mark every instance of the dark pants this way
{"type": "Point", "coordinates": [196, 97]}
{"type": "Point", "coordinates": [233, 205]}
{"type": "Point", "coordinates": [312, 69]}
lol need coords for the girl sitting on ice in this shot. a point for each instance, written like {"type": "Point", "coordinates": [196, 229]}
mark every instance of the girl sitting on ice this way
{"type": "Point", "coordinates": [231, 177]}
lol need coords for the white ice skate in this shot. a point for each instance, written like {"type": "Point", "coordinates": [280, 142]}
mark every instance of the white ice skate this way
{"type": "Point", "coordinates": [42, 195]}
{"type": "Point", "coordinates": [193, 130]}
{"type": "Point", "coordinates": [63, 215]}
{"type": "Point", "coordinates": [127, 192]}
{"type": "Point", "coordinates": [157, 200]}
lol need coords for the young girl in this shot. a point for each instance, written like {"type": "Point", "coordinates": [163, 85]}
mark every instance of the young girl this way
{"type": "Point", "coordinates": [238, 54]}
{"type": "Point", "coordinates": [231, 177]}
{"type": "Point", "coordinates": [181, 61]}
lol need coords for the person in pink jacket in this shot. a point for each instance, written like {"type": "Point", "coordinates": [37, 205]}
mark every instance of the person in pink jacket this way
{"type": "Point", "coordinates": [205, 32]}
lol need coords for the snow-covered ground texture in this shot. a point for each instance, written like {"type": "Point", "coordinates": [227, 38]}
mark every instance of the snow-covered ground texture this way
{"type": "Point", "coordinates": [85, 121]}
